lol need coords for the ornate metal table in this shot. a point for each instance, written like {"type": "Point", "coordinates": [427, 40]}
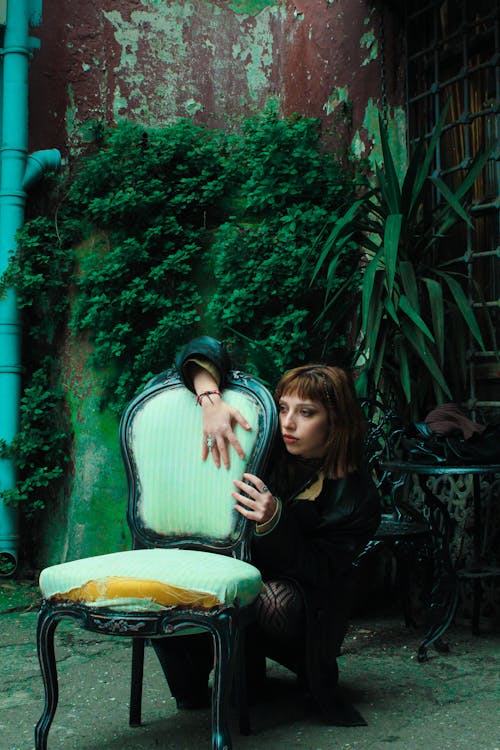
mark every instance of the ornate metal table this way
{"type": "Point", "coordinates": [444, 597]}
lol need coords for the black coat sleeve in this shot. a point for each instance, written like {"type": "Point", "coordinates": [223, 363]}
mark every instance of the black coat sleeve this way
{"type": "Point", "coordinates": [204, 348]}
{"type": "Point", "coordinates": [315, 542]}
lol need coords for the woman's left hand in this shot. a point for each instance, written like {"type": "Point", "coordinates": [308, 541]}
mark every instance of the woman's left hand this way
{"type": "Point", "coordinates": [258, 504]}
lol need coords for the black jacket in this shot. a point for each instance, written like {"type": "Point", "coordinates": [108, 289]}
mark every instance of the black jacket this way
{"type": "Point", "coordinates": [314, 543]}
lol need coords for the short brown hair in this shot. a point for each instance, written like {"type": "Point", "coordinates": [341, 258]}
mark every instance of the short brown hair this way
{"type": "Point", "coordinates": [333, 387]}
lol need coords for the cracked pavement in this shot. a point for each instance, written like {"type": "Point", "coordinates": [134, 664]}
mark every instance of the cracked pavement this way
{"type": "Point", "coordinates": [451, 701]}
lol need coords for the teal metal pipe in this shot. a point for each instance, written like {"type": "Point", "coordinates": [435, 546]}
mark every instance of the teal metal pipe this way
{"type": "Point", "coordinates": [15, 178]}
{"type": "Point", "coordinates": [39, 162]}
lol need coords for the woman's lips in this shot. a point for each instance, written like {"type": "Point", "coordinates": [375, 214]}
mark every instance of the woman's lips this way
{"type": "Point", "coordinates": [289, 438]}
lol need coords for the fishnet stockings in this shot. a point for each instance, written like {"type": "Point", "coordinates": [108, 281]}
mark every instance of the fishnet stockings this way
{"type": "Point", "coordinates": [280, 610]}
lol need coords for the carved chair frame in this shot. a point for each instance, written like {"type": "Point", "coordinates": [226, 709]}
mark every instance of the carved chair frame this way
{"type": "Point", "coordinates": [224, 623]}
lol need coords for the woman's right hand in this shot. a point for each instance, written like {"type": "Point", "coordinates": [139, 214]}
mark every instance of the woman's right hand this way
{"type": "Point", "coordinates": [219, 419]}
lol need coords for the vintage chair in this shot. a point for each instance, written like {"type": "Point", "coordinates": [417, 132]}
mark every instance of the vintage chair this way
{"type": "Point", "coordinates": [187, 569]}
{"type": "Point", "coordinates": [415, 537]}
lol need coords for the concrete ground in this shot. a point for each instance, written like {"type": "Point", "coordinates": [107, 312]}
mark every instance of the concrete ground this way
{"type": "Point", "coordinates": [452, 701]}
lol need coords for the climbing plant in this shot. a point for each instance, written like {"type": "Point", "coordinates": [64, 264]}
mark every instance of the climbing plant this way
{"type": "Point", "coordinates": [285, 187]}
{"type": "Point", "coordinates": [41, 271]}
{"type": "Point", "coordinates": [149, 199]}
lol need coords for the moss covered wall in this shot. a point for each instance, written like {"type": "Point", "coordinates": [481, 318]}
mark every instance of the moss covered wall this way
{"type": "Point", "coordinates": [90, 517]}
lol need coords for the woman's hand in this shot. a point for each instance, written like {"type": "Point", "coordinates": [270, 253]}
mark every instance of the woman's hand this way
{"type": "Point", "coordinates": [258, 504]}
{"type": "Point", "coordinates": [219, 419]}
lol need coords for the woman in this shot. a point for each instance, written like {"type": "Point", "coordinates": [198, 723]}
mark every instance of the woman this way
{"type": "Point", "coordinates": [314, 510]}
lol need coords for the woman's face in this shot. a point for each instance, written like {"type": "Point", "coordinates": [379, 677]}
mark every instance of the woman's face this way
{"type": "Point", "coordinates": [304, 426]}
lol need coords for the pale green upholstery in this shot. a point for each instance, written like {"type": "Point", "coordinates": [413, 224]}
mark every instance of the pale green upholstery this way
{"type": "Point", "coordinates": [171, 500]}
{"type": "Point", "coordinates": [226, 579]}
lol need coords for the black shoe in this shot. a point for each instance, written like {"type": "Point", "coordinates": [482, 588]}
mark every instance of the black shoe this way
{"type": "Point", "coordinates": [194, 701]}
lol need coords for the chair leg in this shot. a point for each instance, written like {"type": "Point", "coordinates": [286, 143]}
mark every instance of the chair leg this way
{"type": "Point", "coordinates": [47, 623]}
{"type": "Point", "coordinates": [240, 684]}
{"type": "Point", "coordinates": [444, 593]}
{"type": "Point", "coordinates": [138, 645]}
{"type": "Point", "coordinates": [403, 579]}
{"type": "Point", "coordinates": [225, 637]}
{"type": "Point", "coordinates": [442, 620]}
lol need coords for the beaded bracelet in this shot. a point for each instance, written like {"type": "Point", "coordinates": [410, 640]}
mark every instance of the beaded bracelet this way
{"type": "Point", "coordinates": [200, 396]}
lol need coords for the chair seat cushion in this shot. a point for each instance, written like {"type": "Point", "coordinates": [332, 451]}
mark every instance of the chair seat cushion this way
{"type": "Point", "coordinates": [153, 579]}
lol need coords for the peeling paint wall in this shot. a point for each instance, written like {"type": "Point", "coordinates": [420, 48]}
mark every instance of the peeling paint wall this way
{"type": "Point", "coordinates": [212, 60]}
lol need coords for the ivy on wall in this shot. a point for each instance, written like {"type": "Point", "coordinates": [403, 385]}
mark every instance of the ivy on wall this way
{"type": "Point", "coordinates": [164, 234]}
{"type": "Point", "coordinates": [150, 198]}
{"type": "Point", "coordinates": [42, 273]}
{"type": "Point", "coordinates": [285, 189]}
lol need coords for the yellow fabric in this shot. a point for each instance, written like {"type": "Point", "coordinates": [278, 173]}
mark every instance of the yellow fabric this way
{"type": "Point", "coordinates": [120, 587]}
{"type": "Point", "coordinates": [312, 492]}
{"type": "Point", "coordinates": [206, 577]}
{"type": "Point", "coordinates": [206, 365]}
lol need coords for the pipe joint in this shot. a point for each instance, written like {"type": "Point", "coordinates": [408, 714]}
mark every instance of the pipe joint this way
{"type": "Point", "coordinates": [38, 163]}
{"type": "Point", "coordinates": [17, 197]}
{"type": "Point", "coordinates": [15, 49]}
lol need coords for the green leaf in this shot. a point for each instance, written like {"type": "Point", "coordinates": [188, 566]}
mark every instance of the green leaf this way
{"type": "Point", "coordinates": [371, 247]}
{"type": "Point", "coordinates": [392, 189]}
{"type": "Point", "coordinates": [408, 189]}
{"type": "Point", "coordinates": [474, 171]}
{"type": "Point", "coordinates": [361, 384]}
{"type": "Point", "coordinates": [391, 246]}
{"type": "Point", "coordinates": [404, 369]}
{"type": "Point", "coordinates": [333, 267]}
{"type": "Point", "coordinates": [340, 225]}
{"type": "Point", "coordinates": [339, 293]}
{"type": "Point", "coordinates": [405, 306]}
{"type": "Point", "coordinates": [409, 280]}
{"type": "Point", "coordinates": [379, 359]}
{"type": "Point", "coordinates": [367, 289]}
{"type": "Point", "coordinates": [451, 199]}
{"type": "Point", "coordinates": [448, 217]}
{"type": "Point", "coordinates": [374, 317]}
{"type": "Point", "coordinates": [389, 306]}
{"type": "Point", "coordinates": [418, 344]}
{"type": "Point", "coordinates": [463, 305]}
{"type": "Point", "coordinates": [435, 292]}
{"type": "Point", "coordinates": [423, 171]}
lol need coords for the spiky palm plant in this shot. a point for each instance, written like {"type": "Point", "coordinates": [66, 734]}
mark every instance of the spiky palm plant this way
{"type": "Point", "coordinates": [414, 316]}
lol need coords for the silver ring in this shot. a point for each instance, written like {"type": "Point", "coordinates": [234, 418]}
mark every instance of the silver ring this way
{"type": "Point", "coordinates": [264, 489]}
{"type": "Point", "coordinates": [210, 442]}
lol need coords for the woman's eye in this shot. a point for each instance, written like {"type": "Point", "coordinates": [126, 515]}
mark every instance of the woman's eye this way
{"type": "Point", "coordinates": [307, 413]}
{"type": "Point", "coordinates": [281, 408]}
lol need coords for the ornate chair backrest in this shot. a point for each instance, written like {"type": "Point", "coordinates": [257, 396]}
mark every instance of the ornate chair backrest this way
{"type": "Point", "coordinates": [176, 499]}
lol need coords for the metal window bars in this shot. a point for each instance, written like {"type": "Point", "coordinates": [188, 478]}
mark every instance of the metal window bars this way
{"type": "Point", "coordinates": [453, 52]}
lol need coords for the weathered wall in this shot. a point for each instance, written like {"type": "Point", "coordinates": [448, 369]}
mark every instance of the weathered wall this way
{"type": "Point", "coordinates": [212, 60]}
{"type": "Point", "coordinates": [215, 61]}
